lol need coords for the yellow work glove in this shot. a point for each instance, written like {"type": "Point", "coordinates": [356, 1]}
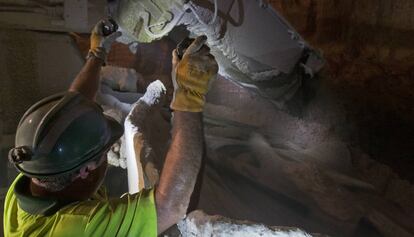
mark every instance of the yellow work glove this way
{"type": "Point", "coordinates": [192, 75]}
{"type": "Point", "coordinates": [101, 44]}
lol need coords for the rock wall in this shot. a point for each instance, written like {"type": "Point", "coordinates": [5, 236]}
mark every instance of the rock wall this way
{"type": "Point", "coordinates": [367, 45]}
{"type": "Point", "coordinates": [387, 25]}
{"type": "Point", "coordinates": [34, 65]}
{"type": "Point", "coordinates": [198, 223]}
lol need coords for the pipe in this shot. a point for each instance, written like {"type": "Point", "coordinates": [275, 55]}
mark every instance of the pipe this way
{"type": "Point", "coordinates": [18, 2]}
{"type": "Point", "coordinates": [23, 9]}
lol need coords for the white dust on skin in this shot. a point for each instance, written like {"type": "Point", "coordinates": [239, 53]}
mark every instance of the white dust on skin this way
{"type": "Point", "coordinates": [152, 97]}
{"type": "Point", "coordinates": [119, 98]}
{"type": "Point", "coordinates": [154, 93]}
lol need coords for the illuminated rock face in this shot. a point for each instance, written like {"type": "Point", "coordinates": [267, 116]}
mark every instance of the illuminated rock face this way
{"type": "Point", "coordinates": [253, 45]}
{"type": "Point", "coordinates": [328, 201]}
{"type": "Point", "coordinates": [297, 192]}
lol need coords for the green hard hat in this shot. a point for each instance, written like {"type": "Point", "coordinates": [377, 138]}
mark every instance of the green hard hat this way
{"type": "Point", "coordinates": [60, 133]}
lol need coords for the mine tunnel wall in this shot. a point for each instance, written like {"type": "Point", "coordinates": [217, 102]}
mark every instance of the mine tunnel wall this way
{"type": "Point", "coordinates": [370, 56]}
{"type": "Point", "coordinates": [387, 25]}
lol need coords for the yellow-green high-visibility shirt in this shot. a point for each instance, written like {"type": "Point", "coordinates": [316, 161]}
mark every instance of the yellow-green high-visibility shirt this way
{"type": "Point", "coordinates": [25, 215]}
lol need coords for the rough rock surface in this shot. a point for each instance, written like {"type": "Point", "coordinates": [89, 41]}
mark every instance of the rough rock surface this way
{"type": "Point", "coordinates": [370, 56]}
{"type": "Point", "coordinates": [198, 224]}
{"type": "Point", "coordinates": [368, 84]}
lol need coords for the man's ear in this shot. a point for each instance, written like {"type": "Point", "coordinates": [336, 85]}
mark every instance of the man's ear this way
{"type": "Point", "coordinates": [84, 172]}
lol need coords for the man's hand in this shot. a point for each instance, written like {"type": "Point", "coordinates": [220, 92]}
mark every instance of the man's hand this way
{"type": "Point", "coordinates": [101, 43]}
{"type": "Point", "coordinates": [192, 75]}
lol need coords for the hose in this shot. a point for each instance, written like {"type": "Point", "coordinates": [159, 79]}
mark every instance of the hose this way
{"type": "Point", "coordinates": [147, 27]}
{"type": "Point", "coordinates": [23, 9]}
{"type": "Point", "coordinates": [190, 6]}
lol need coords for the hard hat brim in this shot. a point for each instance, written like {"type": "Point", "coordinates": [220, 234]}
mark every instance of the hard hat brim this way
{"type": "Point", "coordinates": [86, 116]}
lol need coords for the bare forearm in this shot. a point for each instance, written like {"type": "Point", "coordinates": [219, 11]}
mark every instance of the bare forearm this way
{"type": "Point", "coordinates": [87, 81]}
{"type": "Point", "coordinates": [180, 170]}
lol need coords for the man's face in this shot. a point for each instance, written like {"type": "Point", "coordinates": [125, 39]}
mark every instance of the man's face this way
{"type": "Point", "coordinates": [97, 175]}
{"type": "Point", "coordinates": [92, 176]}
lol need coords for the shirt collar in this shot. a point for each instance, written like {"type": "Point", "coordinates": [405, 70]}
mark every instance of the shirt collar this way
{"type": "Point", "coordinates": [45, 206]}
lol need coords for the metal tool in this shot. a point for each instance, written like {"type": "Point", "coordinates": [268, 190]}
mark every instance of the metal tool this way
{"type": "Point", "coordinates": [183, 45]}
{"type": "Point", "coordinates": [109, 29]}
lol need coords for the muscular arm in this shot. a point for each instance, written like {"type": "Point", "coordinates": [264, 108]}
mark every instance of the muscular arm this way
{"type": "Point", "coordinates": [87, 81]}
{"type": "Point", "coordinates": [180, 170]}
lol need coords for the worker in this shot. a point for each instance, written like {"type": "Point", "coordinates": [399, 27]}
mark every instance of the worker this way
{"type": "Point", "coordinates": [60, 152]}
